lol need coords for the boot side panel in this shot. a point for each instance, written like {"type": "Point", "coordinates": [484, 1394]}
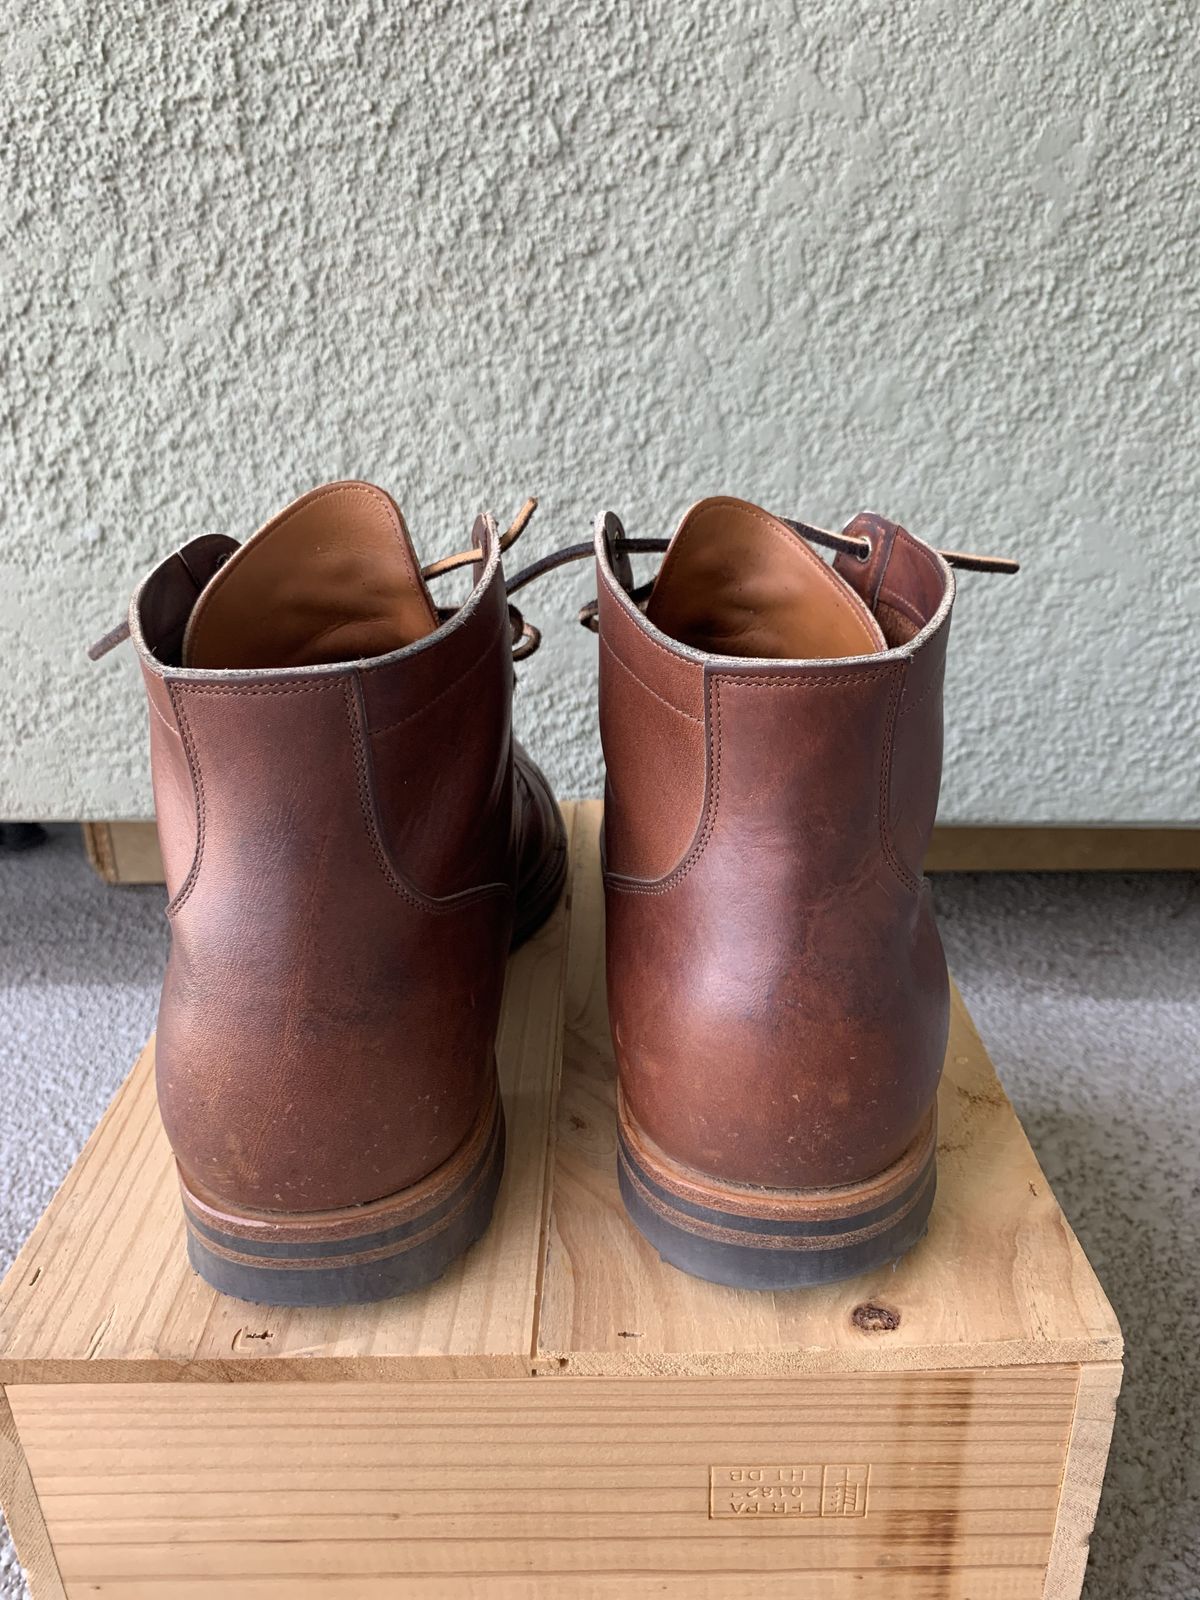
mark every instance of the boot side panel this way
{"type": "Point", "coordinates": [652, 727]}
{"type": "Point", "coordinates": [779, 1003]}
{"type": "Point", "coordinates": [440, 733]}
{"type": "Point", "coordinates": [326, 1033]}
{"type": "Point", "coordinates": [907, 584]}
{"type": "Point", "coordinates": [915, 774]}
{"type": "Point", "coordinates": [175, 805]}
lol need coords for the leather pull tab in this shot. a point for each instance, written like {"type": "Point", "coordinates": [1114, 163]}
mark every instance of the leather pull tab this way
{"type": "Point", "coordinates": [110, 641]}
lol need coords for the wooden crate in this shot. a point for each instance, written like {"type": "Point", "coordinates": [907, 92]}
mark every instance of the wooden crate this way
{"type": "Point", "coordinates": [562, 1417]}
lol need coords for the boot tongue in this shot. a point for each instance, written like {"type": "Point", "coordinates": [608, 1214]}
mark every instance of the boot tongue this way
{"type": "Point", "coordinates": [332, 578]}
{"type": "Point", "coordinates": [736, 581]}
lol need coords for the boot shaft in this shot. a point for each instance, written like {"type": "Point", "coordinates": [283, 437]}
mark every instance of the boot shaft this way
{"type": "Point", "coordinates": [245, 760]}
{"type": "Point", "coordinates": [338, 840]}
{"type": "Point", "coordinates": [777, 986]}
{"type": "Point", "coordinates": [833, 761]}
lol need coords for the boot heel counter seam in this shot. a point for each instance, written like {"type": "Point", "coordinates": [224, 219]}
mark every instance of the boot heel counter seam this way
{"type": "Point", "coordinates": [934, 686]}
{"type": "Point", "coordinates": [708, 815]}
{"type": "Point", "coordinates": [356, 716]}
{"type": "Point", "coordinates": [187, 739]}
{"type": "Point", "coordinates": [355, 713]}
{"type": "Point", "coordinates": [155, 712]}
{"type": "Point", "coordinates": [197, 777]}
{"type": "Point", "coordinates": [707, 823]}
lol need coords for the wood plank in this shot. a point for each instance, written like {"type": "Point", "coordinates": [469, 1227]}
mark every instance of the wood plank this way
{"type": "Point", "coordinates": [457, 1488]}
{"type": "Point", "coordinates": [127, 852]}
{"type": "Point", "coordinates": [933, 1584]}
{"type": "Point", "coordinates": [23, 1512]}
{"type": "Point", "coordinates": [103, 1290]}
{"type": "Point", "coordinates": [1063, 849]}
{"type": "Point", "coordinates": [97, 843]}
{"type": "Point", "coordinates": [1083, 1477]}
{"type": "Point", "coordinates": [1000, 1279]}
{"type": "Point", "coordinates": [124, 852]}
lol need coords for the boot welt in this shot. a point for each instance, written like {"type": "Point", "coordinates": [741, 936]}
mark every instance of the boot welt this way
{"type": "Point", "coordinates": [357, 1253]}
{"type": "Point", "coordinates": [760, 1238]}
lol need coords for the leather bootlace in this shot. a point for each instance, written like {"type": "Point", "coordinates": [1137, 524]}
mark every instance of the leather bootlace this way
{"type": "Point", "coordinates": [623, 547]}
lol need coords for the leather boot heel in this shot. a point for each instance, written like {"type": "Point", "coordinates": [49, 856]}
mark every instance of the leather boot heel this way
{"type": "Point", "coordinates": [759, 1238]}
{"type": "Point", "coordinates": [352, 841]}
{"type": "Point", "coordinates": [777, 990]}
{"type": "Point", "coordinates": [356, 1253]}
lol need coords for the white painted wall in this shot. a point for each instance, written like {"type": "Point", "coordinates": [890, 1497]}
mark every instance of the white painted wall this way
{"type": "Point", "coordinates": [934, 259]}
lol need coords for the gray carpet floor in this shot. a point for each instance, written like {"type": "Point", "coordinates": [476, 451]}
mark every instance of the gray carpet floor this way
{"type": "Point", "coordinates": [1084, 988]}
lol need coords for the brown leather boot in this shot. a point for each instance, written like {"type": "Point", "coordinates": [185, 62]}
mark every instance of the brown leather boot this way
{"type": "Point", "coordinates": [351, 842]}
{"type": "Point", "coordinates": [772, 729]}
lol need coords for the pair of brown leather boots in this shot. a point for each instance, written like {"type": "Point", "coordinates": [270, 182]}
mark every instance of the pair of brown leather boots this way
{"type": "Point", "coordinates": [353, 842]}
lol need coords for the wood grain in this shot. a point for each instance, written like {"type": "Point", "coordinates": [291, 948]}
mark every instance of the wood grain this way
{"type": "Point", "coordinates": [103, 1290]}
{"type": "Point", "coordinates": [466, 1488]}
{"type": "Point", "coordinates": [1000, 1279]}
{"type": "Point", "coordinates": [23, 1512]}
{"type": "Point", "coordinates": [1061, 849]}
{"type": "Point", "coordinates": [1083, 1477]}
{"type": "Point", "coordinates": [124, 852]}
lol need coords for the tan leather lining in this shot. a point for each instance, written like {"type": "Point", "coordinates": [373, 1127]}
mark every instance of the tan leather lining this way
{"type": "Point", "coordinates": [332, 578]}
{"type": "Point", "coordinates": [737, 582]}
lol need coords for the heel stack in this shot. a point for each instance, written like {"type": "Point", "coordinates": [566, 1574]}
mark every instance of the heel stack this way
{"type": "Point", "coordinates": [358, 1253]}
{"type": "Point", "coordinates": [754, 1238]}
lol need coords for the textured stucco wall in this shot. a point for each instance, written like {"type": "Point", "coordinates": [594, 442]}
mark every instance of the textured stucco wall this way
{"type": "Point", "coordinates": [934, 259]}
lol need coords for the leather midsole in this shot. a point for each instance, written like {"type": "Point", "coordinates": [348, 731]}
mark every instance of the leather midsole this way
{"type": "Point", "coordinates": [846, 1208]}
